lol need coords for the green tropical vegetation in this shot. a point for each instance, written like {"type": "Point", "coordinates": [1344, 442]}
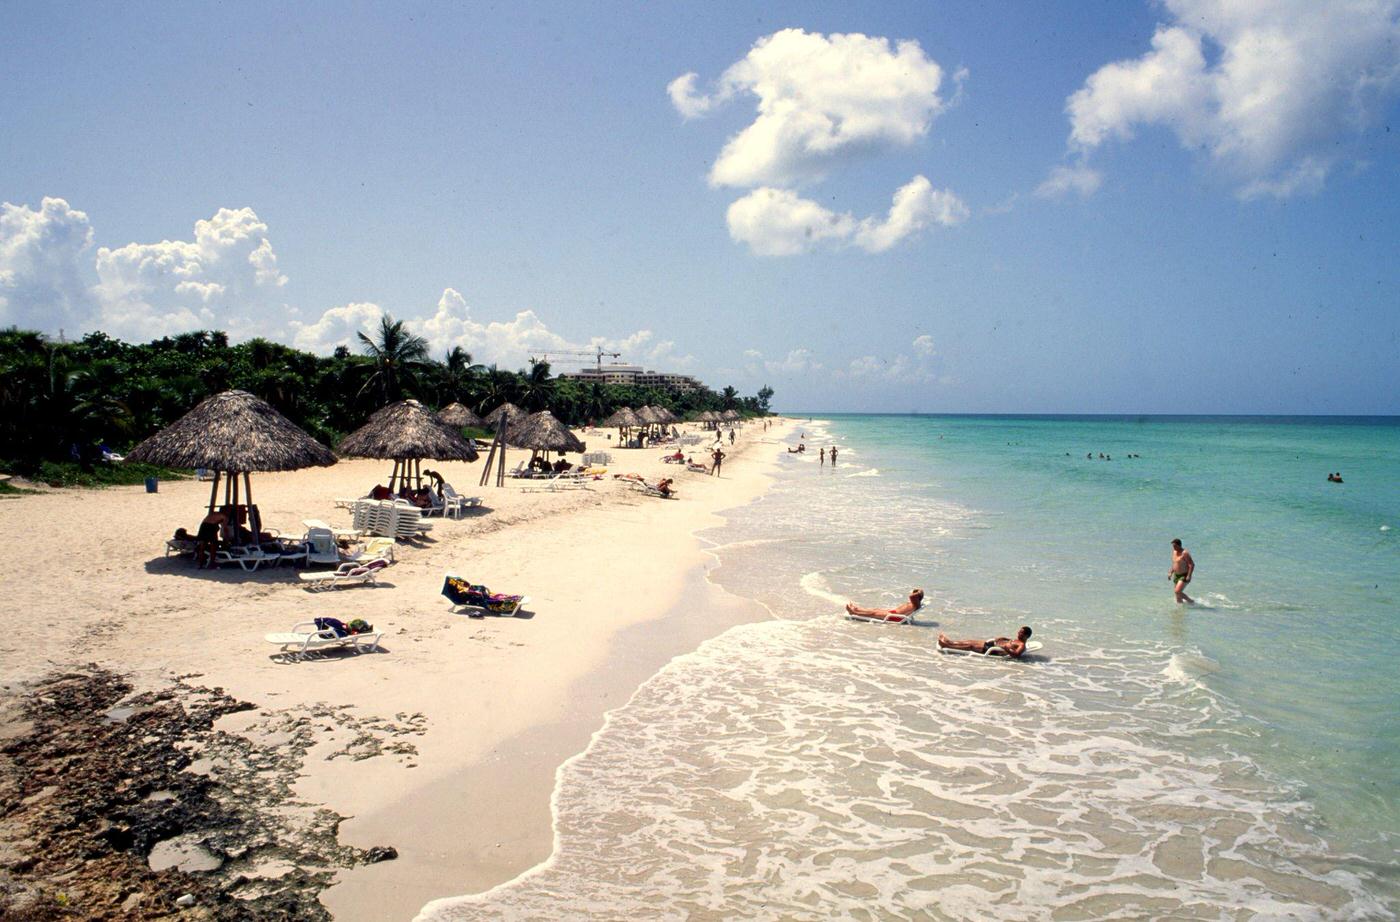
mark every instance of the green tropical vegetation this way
{"type": "Point", "coordinates": [61, 402]}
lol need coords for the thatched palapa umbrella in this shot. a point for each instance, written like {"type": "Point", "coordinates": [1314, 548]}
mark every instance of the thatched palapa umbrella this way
{"type": "Point", "coordinates": [543, 432]}
{"type": "Point", "coordinates": [730, 416]}
{"type": "Point", "coordinates": [514, 415]}
{"type": "Point", "coordinates": [625, 418]}
{"type": "Point", "coordinates": [458, 416]}
{"type": "Point", "coordinates": [230, 434]}
{"type": "Point", "coordinates": [406, 432]}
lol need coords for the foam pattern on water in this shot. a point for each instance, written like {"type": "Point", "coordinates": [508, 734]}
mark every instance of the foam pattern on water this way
{"type": "Point", "coordinates": [820, 769]}
{"type": "Point", "coordinates": [813, 767]}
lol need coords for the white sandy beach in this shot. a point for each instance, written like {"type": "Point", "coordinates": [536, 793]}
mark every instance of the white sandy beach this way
{"type": "Point", "coordinates": [447, 742]}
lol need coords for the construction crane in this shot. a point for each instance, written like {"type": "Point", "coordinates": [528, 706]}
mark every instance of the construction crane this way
{"type": "Point", "coordinates": [595, 354]}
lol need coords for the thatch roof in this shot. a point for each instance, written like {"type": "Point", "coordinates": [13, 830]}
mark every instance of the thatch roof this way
{"type": "Point", "coordinates": [233, 431]}
{"type": "Point", "coordinates": [624, 418]}
{"type": "Point", "coordinates": [729, 415]}
{"type": "Point", "coordinates": [406, 429]}
{"type": "Point", "coordinates": [664, 415]}
{"type": "Point", "coordinates": [708, 416]}
{"type": "Point", "coordinates": [650, 415]}
{"type": "Point", "coordinates": [543, 432]}
{"type": "Point", "coordinates": [459, 416]}
{"type": "Point", "coordinates": [514, 415]}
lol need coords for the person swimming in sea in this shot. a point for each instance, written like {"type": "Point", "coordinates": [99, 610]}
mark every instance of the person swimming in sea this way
{"type": "Point", "coordinates": [916, 601]}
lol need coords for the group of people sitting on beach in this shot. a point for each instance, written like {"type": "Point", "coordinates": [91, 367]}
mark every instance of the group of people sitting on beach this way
{"type": "Point", "coordinates": [222, 527]}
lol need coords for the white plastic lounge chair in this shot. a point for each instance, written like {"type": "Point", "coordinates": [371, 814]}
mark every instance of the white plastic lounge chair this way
{"type": "Point", "coordinates": [304, 638]}
{"type": "Point", "coordinates": [180, 546]}
{"type": "Point", "coordinates": [321, 547]}
{"type": "Point", "coordinates": [374, 549]}
{"type": "Point", "coordinates": [347, 574]}
{"type": "Point", "coordinates": [456, 502]}
{"type": "Point", "coordinates": [249, 558]}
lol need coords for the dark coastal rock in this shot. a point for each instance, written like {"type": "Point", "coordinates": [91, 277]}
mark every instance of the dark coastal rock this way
{"type": "Point", "coordinates": [94, 780]}
{"type": "Point", "coordinates": [381, 853]}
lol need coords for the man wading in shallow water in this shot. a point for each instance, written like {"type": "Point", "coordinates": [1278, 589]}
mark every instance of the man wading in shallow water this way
{"type": "Point", "coordinates": [1182, 569]}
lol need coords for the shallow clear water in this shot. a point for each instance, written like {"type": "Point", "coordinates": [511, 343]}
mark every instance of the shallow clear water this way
{"type": "Point", "coordinates": [1236, 759]}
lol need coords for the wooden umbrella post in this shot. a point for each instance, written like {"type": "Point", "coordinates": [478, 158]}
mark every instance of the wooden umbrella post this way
{"type": "Point", "coordinates": [233, 507]}
{"type": "Point", "coordinates": [214, 492]}
{"type": "Point", "coordinates": [254, 520]}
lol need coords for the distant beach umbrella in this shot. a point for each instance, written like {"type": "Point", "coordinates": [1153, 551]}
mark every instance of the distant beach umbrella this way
{"type": "Point", "coordinates": [543, 432]}
{"type": "Point", "coordinates": [459, 416]}
{"type": "Point", "coordinates": [650, 415]}
{"type": "Point", "coordinates": [406, 432]}
{"type": "Point", "coordinates": [665, 415]}
{"type": "Point", "coordinates": [729, 415]}
{"type": "Point", "coordinates": [230, 434]}
{"type": "Point", "coordinates": [625, 418]}
{"type": "Point", "coordinates": [514, 415]}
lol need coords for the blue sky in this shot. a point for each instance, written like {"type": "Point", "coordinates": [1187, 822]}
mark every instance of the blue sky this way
{"type": "Point", "coordinates": [1222, 238]}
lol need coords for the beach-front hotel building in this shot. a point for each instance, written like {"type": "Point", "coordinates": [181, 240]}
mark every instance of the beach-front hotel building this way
{"type": "Point", "coordinates": [634, 375]}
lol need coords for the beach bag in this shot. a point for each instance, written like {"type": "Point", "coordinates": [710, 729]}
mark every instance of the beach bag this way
{"type": "Point", "coordinates": [360, 626]}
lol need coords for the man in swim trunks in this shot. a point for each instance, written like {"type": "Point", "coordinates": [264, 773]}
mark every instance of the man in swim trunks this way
{"type": "Point", "coordinates": [1183, 567]}
{"type": "Point", "coordinates": [996, 646]}
{"type": "Point", "coordinates": [916, 601]}
{"type": "Point", "coordinates": [206, 546]}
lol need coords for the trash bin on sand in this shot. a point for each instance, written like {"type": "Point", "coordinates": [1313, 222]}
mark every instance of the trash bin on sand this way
{"type": "Point", "coordinates": [152, 484]}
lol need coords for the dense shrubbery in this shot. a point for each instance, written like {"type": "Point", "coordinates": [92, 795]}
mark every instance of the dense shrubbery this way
{"type": "Point", "coordinates": [62, 401]}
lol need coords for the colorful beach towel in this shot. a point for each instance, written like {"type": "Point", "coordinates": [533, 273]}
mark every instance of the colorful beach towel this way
{"type": "Point", "coordinates": [462, 592]}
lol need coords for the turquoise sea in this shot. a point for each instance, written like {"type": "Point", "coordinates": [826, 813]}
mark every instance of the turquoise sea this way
{"type": "Point", "coordinates": [1237, 759]}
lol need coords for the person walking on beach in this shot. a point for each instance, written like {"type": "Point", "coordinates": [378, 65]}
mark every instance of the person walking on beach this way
{"type": "Point", "coordinates": [1183, 567]}
{"type": "Point", "coordinates": [719, 459]}
{"type": "Point", "coordinates": [916, 601]}
{"type": "Point", "coordinates": [823, 461]}
{"type": "Point", "coordinates": [833, 456]}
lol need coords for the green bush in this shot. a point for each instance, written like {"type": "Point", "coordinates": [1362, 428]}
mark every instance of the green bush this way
{"type": "Point", "coordinates": [71, 474]}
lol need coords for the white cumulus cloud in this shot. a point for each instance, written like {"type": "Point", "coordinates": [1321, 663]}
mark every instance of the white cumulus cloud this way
{"type": "Point", "coordinates": [1063, 180]}
{"type": "Point", "coordinates": [338, 326]}
{"type": "Point", "coordinates": [45, 269]}
{"type": "Point", "coordinates": [225, 278]}
{"type": "Point", "coordinates": [779, 222]}
{"type": "Point", "coordinates": [508, 343]}
{"type": "Point", "coordinates": [1266, 87]}
{"type": "Point", "coordinates": [923, 345]}
{"type": "Point", "coordinates": [820, 98]}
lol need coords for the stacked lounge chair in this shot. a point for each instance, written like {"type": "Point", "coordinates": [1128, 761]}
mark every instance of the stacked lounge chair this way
{"type": "Point", "coordinates": [388, 518]}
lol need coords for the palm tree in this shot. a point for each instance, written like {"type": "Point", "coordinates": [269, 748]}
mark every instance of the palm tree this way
{"type": "Point", "coordinates": [495, 388]}
{"type": "Point", "coordinates": [457, 373]}
{"type": "Point", "coordinates": [397, 357]}
{"type": "Point", "coordinates": [538, 388]}
{"type": "Point", "coordinates": [730, 397]}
